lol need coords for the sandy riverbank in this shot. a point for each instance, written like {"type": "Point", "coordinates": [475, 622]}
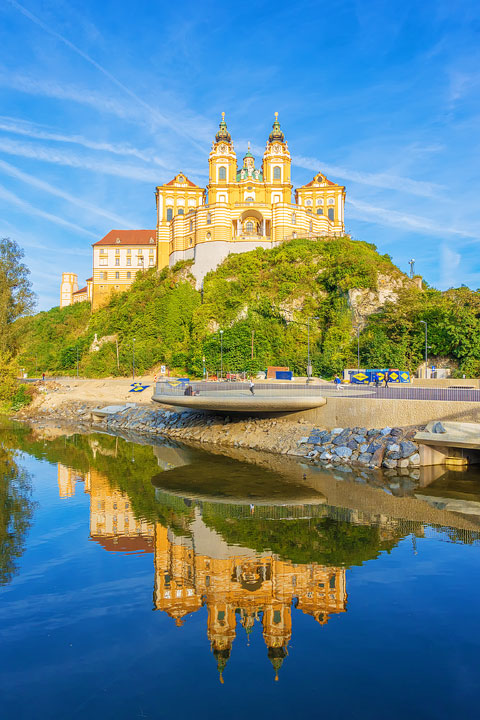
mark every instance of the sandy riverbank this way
{"type": "Point", "coordinates": [73, 404]}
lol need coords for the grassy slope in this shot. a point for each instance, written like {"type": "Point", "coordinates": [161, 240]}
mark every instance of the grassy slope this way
{"type": "Point", "coordinates": [267, 293]}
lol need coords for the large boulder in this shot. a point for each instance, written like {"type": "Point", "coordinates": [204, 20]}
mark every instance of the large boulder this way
{"type": "Point", "coordinates": [407, 448]}
{"type": "Point", "coordinates": [343, 452]}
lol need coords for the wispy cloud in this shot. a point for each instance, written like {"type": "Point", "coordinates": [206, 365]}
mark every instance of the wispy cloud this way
{"type": "Point", "coordinates": [162, 119]}
{"type": "Point", "coordinates": [13, 199]}
{"type": "Point", "coordinates": [58, 192]}
{"type": "Point", "coordinates": [394, 218]}
{"type": "Point", "coordinates": [69, 159]}
{"type": "Point", "coordinates": [20, 127]}
{"type": "Point", "coordinates": [450, 263]}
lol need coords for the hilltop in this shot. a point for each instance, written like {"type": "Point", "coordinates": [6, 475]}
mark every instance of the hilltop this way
{"type": "Point", "coordinates": [264, 298]}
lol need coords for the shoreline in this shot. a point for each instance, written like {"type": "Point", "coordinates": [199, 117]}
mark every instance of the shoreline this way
{"type": "Point", "coordinates": [391, 449]}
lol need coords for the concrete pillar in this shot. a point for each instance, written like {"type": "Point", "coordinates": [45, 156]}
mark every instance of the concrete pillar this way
{"type": "Point", "coordinates": [433, 454]}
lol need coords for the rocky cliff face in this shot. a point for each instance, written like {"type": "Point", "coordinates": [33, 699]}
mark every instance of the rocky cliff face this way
{"type": "Point", "coordinates": [365, 302]}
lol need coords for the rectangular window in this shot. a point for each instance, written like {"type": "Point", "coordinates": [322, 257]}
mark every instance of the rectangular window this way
{"type": "Point", "coordinates": [129, 251]}
{"type": "Point", "coordinates": [331, 214]}
{"type": "Point", "coordinates": [117, 261]}
{"type": "Point", "coordinates": [151, 251]}
{"type": "Point", "coordinates": [129, 260]}
{"type": "Point", "coordinates": [140, 260]}
{"type": "Point", "coordinates": [117, 251]}
{"type": "Point", "coordinates": [117, 276]}
{"type": "Point", "coordinates": [103, 261]}
{"type": "Point", "coordinates": [129, 275]}
{"type": "Point", "coordinates": [151, 261]}
{"type": "Point", "coordinates": [169, 213]}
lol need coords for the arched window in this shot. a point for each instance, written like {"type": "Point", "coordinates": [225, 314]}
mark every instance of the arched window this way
{"type": "Point", "coordinates": [222, 173]}
{"type": "Point", "coordinates": [276, 198]}
{"type": "Point", "coordinates": [169, 213]}
{"type": "Point", "coordinates": [319, 211]}
{"type": "Point", "coordinates": [129, 275]}
{"type": "Point", "coordinates": [294, 218]}
{"type": "Point", "coordinates": [331, 214]}
{"type": "Point", "coordinates": [249, 227]}
{"type": "Point", "coordinates": [277, 173]}
{"type": "Point", "coordinates": [191, 225]}
{"type": "Point", "coordinates": [249, 199]}
{"type": "Point", "coordinates": [181, 211]}
{"type": "Point", "coordinates": [209, 219]}
{"type": "Point", "coordinates": [208, 236]}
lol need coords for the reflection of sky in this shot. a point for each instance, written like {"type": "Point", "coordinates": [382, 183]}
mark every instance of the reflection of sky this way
{"type": "Point", "coordinates": [79, 636]}
{"type": "Point", "coordinates": [106, 100]}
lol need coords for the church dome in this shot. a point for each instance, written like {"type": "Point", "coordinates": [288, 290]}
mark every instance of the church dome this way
{"type": "Point", "coordinates": [276, 134]}
{"type": "Point", "coordinates": [223, 133]}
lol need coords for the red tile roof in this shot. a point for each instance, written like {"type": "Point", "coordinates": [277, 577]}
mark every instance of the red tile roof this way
{"type": "Point", "coordinates": [127, 237]}
{"type": "Point", "coordinates": [118, 543]}
{"type": "Point", "coordinates": [174, 180]}
{"type": "Point", "coordinates": [89, 279]}
{"type": "Point", "coordinates": [83, 290]}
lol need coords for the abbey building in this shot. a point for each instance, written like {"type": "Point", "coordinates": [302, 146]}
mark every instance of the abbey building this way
{"type": "Point", "coordinates": [242, 207]}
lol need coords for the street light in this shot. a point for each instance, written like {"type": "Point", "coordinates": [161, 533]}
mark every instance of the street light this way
{"type": "Point", "coordinates": [133, 360]}
{"type": "Point", "coordinates": [358, 347]}
{"type": "Point", "coordinates": [426, 345]}
{"type": "Point", "coordinates": [221, 354]}
{"type": "Point", "coordinates": [309, 367]}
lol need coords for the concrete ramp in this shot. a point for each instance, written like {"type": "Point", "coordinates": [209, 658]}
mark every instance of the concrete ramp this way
{"type": "Point", "coordinates": [444, 440]}
{"type": "Point", "coordinates": [247, 404]}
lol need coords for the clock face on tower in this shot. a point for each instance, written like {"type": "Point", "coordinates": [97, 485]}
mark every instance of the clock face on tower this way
{"type": "Point", "coordinates": [222, 148]}
{"type": "Point", "coordinates": [277, 148]}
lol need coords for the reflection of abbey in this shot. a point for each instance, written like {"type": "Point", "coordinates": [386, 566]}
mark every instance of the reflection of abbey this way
{"type": "Point", "coordinates": [240, 587]}
{"type": "Point", "coordinates": [241, 208]}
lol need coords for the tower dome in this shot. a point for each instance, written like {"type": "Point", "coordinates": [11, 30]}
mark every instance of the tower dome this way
{"type": "Point", "coordinates": [223, 133]}
{"type": "Point", "coordinates": [276, 134]}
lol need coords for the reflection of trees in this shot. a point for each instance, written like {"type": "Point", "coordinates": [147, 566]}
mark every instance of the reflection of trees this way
{"type": "Point", "coordinates": [16, 511]}
{"type": "Point", "coordinates": [324, 540]}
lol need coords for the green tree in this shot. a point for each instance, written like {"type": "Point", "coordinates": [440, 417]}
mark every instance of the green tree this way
{"type": "Point", "coordinates": [16, 295]}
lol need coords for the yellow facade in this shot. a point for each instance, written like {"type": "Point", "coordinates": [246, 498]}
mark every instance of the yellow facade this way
{"type": "Point", "coordinates": [241, 208]}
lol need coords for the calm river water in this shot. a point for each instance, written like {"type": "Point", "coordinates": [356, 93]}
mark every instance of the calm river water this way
{"type": "Point", "coordinates": [162, 581]}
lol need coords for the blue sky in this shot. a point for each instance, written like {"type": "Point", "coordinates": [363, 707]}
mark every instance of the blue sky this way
{"type": "Point", "coordinates": [100, 102]}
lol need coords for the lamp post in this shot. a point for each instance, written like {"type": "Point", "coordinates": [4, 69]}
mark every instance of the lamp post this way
{"type": "Point", "coordinates": [358, 348]}
{"type": "Point", "coordinates": [309, 367]}
{"type": "Point", "coordinates": [133, 360]}
{"type": "Point", "coordinates": [221, 354]}
{"type": "Point", "coordinates": [426, 345]}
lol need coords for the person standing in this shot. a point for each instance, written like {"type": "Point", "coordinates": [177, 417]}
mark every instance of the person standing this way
{"type": "Point", "coordinates": [251, 387]}
{"type": "Point", "coordinates": [377, 380]}
{"type": "Point", "coordinates": [386, 379]}
{"type": "Point", "coordinates": [337, 382]}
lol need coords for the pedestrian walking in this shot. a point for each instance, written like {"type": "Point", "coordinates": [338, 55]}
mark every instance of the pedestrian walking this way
{"type": "Point", "coordinates": [252, 387]}
{"type": "Point", "coordinates": [43, 376]}
{"type": "Point", "coordinates": [377, 380]}
{"type": "Point", "coordinates": [386, 379]}
{"type": "Point", "coordinates": [337, 382]}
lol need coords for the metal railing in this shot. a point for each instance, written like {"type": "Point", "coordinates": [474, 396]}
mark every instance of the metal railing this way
{"type": "Point", "coordinates": [177, 388]}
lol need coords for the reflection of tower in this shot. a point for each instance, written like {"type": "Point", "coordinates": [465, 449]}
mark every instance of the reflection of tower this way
{"type": "Point", "coordinates": [66, 478]}
{"type": "Point", "coordinates": [236, 581]}
{"type": "Point", "coordinates": [112, 521]}
{"type": "Point", "coordinates": [277, 630]}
